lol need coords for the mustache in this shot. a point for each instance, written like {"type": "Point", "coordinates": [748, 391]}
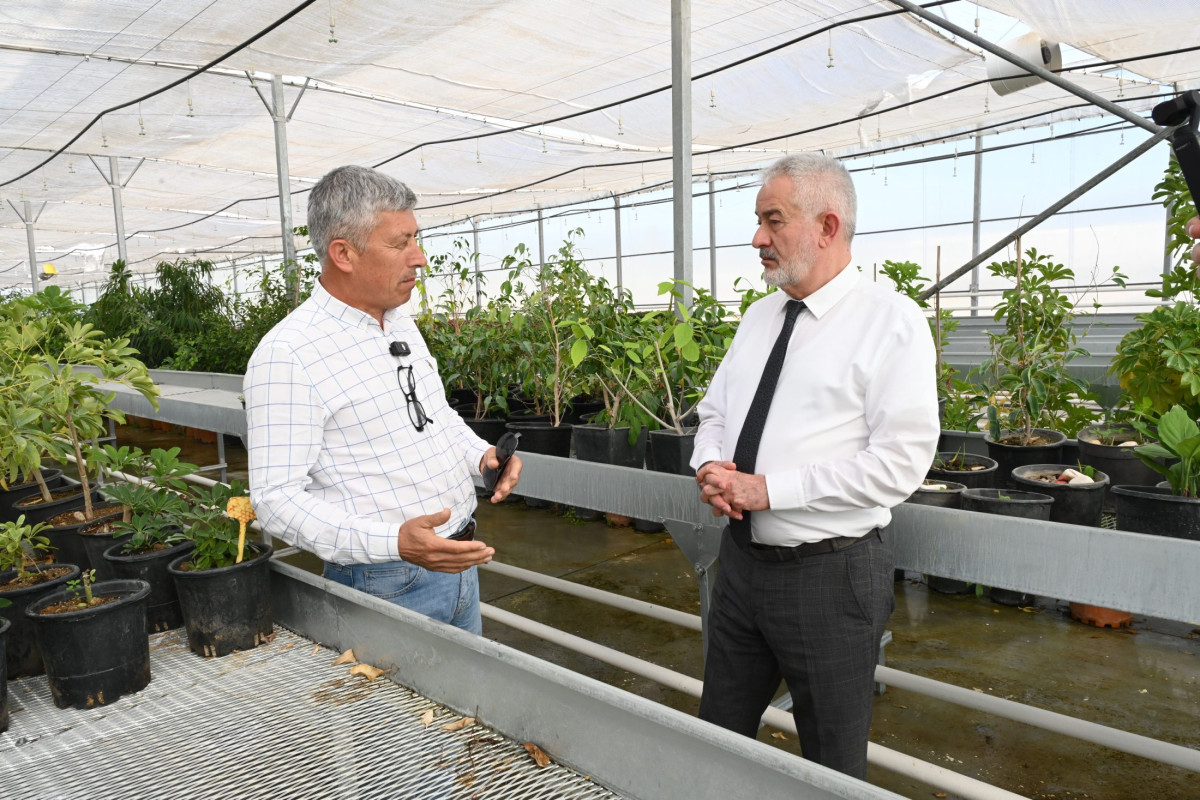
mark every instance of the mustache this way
{"type": "Point", "coordinates": [766, 252]}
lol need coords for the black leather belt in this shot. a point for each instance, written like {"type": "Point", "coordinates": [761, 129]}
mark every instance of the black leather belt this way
{"type": "Point", "coordinates": [768, 552]}
{"type": "Point", "coordinates": [466, 533]}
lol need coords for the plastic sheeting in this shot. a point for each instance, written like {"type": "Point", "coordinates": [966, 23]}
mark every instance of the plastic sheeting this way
{"type": "Point", "coordinates": [436, 92]}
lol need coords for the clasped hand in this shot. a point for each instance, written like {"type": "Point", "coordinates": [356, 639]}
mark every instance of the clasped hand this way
{"type": "Point", "coordinates": [730, 492]}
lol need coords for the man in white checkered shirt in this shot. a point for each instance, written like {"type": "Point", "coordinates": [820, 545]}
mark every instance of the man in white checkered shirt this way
{"type": "Point", "coordinates": [354, 454]}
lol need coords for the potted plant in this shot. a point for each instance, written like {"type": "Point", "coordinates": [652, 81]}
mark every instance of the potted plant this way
{"type": "Point", "coordinates": [550, 375]}
{"type": "Point", "coordinates": [1078, 491]}
{"type": "Point", "coordinates": [1173, 510]}
{"type": "Point", "coordinates": [1109, 448]}
{"type": "Point", "coordinates": [1030, 382]}
{"type": "Point", "coordinates": [224, 582]}
{"type": "Point", "coordinates": [971, 470]}
{"type": "Point", "coordinates": [149, 535]}
{"type": "Point", "coordinates": [1158, 362]}
{"type": "Point", "coordinates": [22, 581]}
{"type": "Point", "coordinates": [93, 640]}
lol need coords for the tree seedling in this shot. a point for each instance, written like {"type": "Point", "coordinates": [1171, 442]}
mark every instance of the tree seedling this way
{"type": "Point", "coordinates": [83, 582]}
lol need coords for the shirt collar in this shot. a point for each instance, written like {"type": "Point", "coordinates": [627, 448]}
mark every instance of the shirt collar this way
{"type": "Point", "coordinates": [348, 314]}
{"type": "Point", "coordinates": [822, 300]}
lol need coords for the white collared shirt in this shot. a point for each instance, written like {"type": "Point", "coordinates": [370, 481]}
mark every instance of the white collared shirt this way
{"type": "Point", "coordinates": [853, 425]}
{"type": "Point", "coordinates": [335, 462]}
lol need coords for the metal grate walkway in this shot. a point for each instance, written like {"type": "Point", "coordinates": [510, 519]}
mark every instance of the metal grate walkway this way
{"type": "Point", "coordinates": [280, 721]}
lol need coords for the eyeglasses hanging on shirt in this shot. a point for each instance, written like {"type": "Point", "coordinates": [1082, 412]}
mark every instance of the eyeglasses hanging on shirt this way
{"type": "Point", "coordinates": [408, 387]}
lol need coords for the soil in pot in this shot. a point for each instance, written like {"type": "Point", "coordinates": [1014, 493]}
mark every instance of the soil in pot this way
{"type": "Point", "coordinates": [22, 654]}
{"type": "Point", "coordinates": [1008, 503]}
{"type": "Point", "coordinates": [228, 608]}
{"type": "Point", "coordinates": [1077, 500]}
{"type": "Point", "coordinates": [62, 500]}
{"type": "Point", "coordinates": [972, 471]}
{"type": "Point", "coordinates": [1109, 448]}
{"type": "Point", "coordinates": [1009, 453]}
{"type": "Point", "coordinates": [22, 487]}
{"type": "Point", "coordinates": [163, 612]}
{"type": "Point", "coordinates": [68, 544]}
{"type": "Point", "coordinates": [95, 654]}
{"type": "Point", "coordinates": [1154, 510]}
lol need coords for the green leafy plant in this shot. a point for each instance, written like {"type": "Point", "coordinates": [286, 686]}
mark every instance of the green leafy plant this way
{"type": "Point", "coordinates": [1030, 356]}
{"type": "Point", "coordinates": [1159, 361]}
{"type": "Point", "coordinates": [81, 587]}
{"type": "Point", "coordinates": [153, 500]}
{"type": "Point", "coordinates": [19, 545]}
{"type": "Point", "coordinates": [215, 533]}
{"type": "Point", "coordinates": [1178, 443]}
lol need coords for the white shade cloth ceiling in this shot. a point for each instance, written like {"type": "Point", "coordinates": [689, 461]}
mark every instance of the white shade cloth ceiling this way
{"type": "Point", "coordinates": [434, 91]}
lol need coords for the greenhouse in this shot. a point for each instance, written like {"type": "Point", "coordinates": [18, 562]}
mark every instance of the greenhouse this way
{"type": "Point", "coordinates": [596, 241]}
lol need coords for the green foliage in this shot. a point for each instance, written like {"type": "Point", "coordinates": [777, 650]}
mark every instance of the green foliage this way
{"type": "Point", "coordinates": [1030, 356]}
{"type": "Point", "coordinates": [82, 586]}
{"type": "Point", "coordinates": [19, 544]}
{"type": "Point", "coordinates": [215, 534]}
{"type": "Point", "coordinates": [154, 505]}
{"type": "Point", "coordinates": [906, 275]}
{"type": "Point", "coordinates": [1178, 441]}
{"type": "Point", "coordinates": [1177, 199]}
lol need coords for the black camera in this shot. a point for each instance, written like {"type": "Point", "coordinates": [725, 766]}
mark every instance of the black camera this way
{"type": "Point", "coordinates": [506, 445]}
{"type": "Point", "coordinates": [399, 349]}
{"type": "Point", "coordinates": [1183, 110]}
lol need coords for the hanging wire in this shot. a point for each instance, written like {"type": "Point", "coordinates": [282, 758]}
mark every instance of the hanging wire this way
{"type": "Point", "coordinates": [954, 174]}
{"type": "Point", "coordinates": [830, 64]}
{"type": "Point", "coordinates": [478, 160]}
{"type": "Point", "coordinates": [1033, 154]}
{"type": "Point", "coordinates": [103, 134]}
{"type": "Point", "coordinates": [141, 122]}
{"type": "Point", "coordinates": [543, 132]}
{"type": "Point", "coordinates": [712, 97]}
{"type": "Point", "coordinates": [977, 19]}
{"type": "Point", "coordinates": [189, 99]}
{"type": "Point", "coordinates": [332, 25]}
{"type": "Point", "coordinates": [620, 126]}
{"type": "Point", "coordinates": [422, 159]}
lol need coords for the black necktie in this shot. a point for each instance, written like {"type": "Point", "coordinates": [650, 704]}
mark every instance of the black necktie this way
{"type": "Point", "coordinates": [746, 453]}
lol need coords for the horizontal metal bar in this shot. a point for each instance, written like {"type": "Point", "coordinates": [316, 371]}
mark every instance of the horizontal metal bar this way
{"type": "Point", "coordinates": [631, 745]}
{"type": "Point", "coordinates": [690, 621]}
{"type": "Point", "coordinates": [1125, 741]}
{"type": "Point", "coordinates": [932, 774]}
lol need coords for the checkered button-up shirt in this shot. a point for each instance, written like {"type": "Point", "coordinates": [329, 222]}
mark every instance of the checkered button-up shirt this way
{"type": "Point", "coordinates": [336, 464]}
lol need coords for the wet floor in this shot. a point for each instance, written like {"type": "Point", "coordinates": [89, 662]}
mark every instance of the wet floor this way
{"type": "Point", "coordinates": [1145, 680]}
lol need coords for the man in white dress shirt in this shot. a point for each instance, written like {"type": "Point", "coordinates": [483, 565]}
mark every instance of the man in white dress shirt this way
{"type": "Point", "coordinates": [804, 590]}
{"type": "Point", "coordinates": [354, 454]}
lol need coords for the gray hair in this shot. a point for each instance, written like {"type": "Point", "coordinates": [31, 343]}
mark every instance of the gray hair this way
{"type": "Point", "coordinates": [819, 184]}
{"type": "Point", "coordinates": [347, 202]}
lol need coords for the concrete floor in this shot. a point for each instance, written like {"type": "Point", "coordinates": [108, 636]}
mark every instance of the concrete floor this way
{"type": "Point", "coordinates": [1143, 680]}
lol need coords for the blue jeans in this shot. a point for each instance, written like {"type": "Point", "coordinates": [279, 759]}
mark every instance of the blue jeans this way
{"type": "Point", "coordinates": [453, 599]}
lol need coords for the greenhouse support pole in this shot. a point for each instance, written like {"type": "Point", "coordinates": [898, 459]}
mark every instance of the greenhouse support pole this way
{"type": "Point", "coordinates": [712, 237]}
{"type": "Point", "coordinates": [617, 239]}
{"type": "Point", "coordinates": [1050, 211]}
{"type": "Point", "coordinates": [681, 142]}
{"type": "Point", "coordinates": [976, 228]}
{"type": "Point", "coordinates": [478, 277]}
{"type": "Point", "coordinates": [1034, 69]}
{"type": "Point", "coordinates": [541, 238]}
{"type": "Point", "coordinates": [113, 179]}
{"type": "Point", "coordinates": [280, 115]}
{"type": "Point", "coordinates": [29, 218]}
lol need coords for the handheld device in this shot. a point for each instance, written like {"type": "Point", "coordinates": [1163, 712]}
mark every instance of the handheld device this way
{"type": "Point", "coordinates": [1184, 110]}
{"type": "Point", "coordinates": [506, 445]}
{"type": "Point", "coordinates": [399, 349]}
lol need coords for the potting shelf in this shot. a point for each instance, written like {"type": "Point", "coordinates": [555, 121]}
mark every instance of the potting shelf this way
{"type": "Point", "coordinates": [278, 721]}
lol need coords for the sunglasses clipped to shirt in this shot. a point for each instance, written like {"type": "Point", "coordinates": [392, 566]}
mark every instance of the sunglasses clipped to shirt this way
{"type": "Point", "coordinates": [408, 387]}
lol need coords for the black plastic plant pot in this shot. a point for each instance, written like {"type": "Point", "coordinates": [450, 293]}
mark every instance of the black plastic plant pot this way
{"type": "Point", "coordinates": [163, 612]}
{"type": "Point", "coordinates": [1081, 504]}
{"type": "Point", "coordinates": [40, 512]}
{"type": "Point", "coordinates": [98, 654]}
{"type": "Point", "coordinates": [53, 479]}
{"type": "Point", "coordinates": [489, 430]}
{"type": "Point", "coordinates": [603, 445]}
{"type": "Point", "coordinates": [22, 655]}
{"type": "Point", "coordinates": [982, 478]}
{"type": "Point", "coordinates": [1154, 510]}
{"type": "Point", "coordinates": [1120, 464]}
{"type": "Point", "coordinates": [228, 608]}
{"type": "Point", "coordinates": [69, 545]}
{"type": "Point", "coordinates": [1008, 503]}
{"type": "Point", "coordinates": [4, 626]}
{"type": "Point", "coordinates": [545, 439]}
{"type": "Point", "coordinates": [948, 497]}
{"type": "Point", "coordinates": [1010, 456]}
{"type": "Point", "coordinates": [95, 545]}
{"type": "Point", "coordinates": [671, 452]}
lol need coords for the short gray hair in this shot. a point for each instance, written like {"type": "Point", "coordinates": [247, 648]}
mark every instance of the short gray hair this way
{"type": "Point", "coordinates": [819, 184]}
{"type": "Point", "coordinates": [347, 202]}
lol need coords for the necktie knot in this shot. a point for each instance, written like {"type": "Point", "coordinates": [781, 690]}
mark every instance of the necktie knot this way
{"type": "Point", "coordinates": [793, 309]}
